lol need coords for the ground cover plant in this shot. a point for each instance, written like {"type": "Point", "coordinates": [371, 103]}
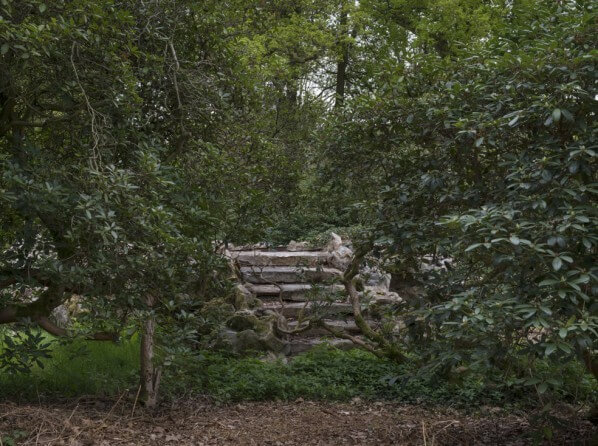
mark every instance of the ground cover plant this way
{"type": "Point", "coordinates": [84, 368]}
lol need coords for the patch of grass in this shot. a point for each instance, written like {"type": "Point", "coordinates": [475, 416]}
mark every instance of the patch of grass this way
{"type": "Point", "coordinates": [77, 368]}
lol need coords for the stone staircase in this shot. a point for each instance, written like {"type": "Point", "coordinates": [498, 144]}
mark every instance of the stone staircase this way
{"type": "Point", "coordinates": [295, 285]}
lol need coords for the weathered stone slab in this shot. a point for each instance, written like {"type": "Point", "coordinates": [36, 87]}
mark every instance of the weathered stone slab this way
{"type": "Point", "coordinates": [299, 292]}
{"type": "Point", "coordinates": [288, 274]}
{"type": "Point", "coordinates": [281, 258]}
{"type": "Point", "coordinates": [293, 310]}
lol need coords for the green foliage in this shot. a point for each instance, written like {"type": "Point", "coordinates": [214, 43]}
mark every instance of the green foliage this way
{"type": "Point", "coordinates": [101, 107]}
{"type": "Point", "coordinates": [100, 369]}
{"type": "Point", "coordinates": [134, 136]}
{"type": "Point", "coordinates": [22, 350]}
{"type": "Point", "coordinates": [12, 438]}
{"type": "Point", "coordinates": [487, 159]}
{"type": "Point", "coordinates": [77, 368]}
{"type": "Point", "coordinates": [320, 374]}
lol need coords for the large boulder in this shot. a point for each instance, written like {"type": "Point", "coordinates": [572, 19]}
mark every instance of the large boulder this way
{"type": "Point", "coordinates": [61, 316]}
{"type": "Point", "coordinates": [334, 243]}
{"type": "Point", "coordinates": [298, 246]}
{"type": "Point", "coordinates": [244, 298]}
{"type": "Point", "coordinates": [64, 314]}
{"type": "Point", "coordinates": [249, 340]}
{"type": "Point", "coordinates": [245, 319]}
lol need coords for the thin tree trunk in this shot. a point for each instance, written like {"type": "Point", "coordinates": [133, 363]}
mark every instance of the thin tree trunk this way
{"type": "Point", "coordinates": [149, 374]}
{"type": "Point", "coordinates": [341, 66]}
{"type": "Point", "coordinates": [343, 63]}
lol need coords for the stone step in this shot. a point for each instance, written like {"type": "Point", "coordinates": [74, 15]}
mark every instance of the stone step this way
{"type": "Point", "coordinates": [281, 258]}
{"type": "Point", "coordinates": [301, 345]}
{"type": "Point", "coordinates": [262, 247]}
{"type": "Point", "coordinates": [348, 326]}
{"type": "Point", "coordinates": [295, 291]}
{"type": "Point", "coordinates": [288, 274]}
{"type": "Point", "coordinates": [293, 310]}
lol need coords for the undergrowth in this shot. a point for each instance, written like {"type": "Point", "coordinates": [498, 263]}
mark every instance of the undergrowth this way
{"type": "Point", "coordinates": [87, 368]}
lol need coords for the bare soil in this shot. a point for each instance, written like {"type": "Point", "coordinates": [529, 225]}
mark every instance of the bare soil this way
{"type": "Point", "coordinates": [201, 422]}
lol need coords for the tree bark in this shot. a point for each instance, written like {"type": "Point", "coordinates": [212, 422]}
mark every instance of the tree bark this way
{"type": "Point", "coordinates": [341, 66]}
{"type": "Point", "coordinates": [39, 310]}
{"type": "Point", "coordinates": [343, 63]}
{"type": "Point", "coordinates": [149, 373]}
{"type": "Point", "coordinates": [390, 350]}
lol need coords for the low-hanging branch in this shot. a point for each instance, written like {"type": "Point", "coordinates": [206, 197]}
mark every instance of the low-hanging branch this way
{"type": "Point", "coordinates": [339, 333]}
{"type": "Point", "coordinates": [45, 323]}
{"type": "Point", "coordinates": [39, 310]}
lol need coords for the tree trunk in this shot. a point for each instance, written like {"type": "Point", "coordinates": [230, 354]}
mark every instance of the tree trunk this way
{"type": "Point", "coordinates": [345, 46]}
{"type": "Point", "coordinates": [341, 66]}
{"type": "Point", "coordinates": [149, 374]}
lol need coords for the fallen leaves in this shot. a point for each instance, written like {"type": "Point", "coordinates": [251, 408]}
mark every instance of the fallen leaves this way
{"type": "Point", "coordinates": [298, 423]}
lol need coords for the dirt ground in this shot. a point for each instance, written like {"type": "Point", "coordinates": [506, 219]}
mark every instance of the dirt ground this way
{"type": "Point", "coordinates": [109, 423]}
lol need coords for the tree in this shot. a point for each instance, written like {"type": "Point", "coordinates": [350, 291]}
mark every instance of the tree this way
{"type": "Point", "coordinates": [487, 159]}
{"type": "Point", "coordinates": [99, 103]}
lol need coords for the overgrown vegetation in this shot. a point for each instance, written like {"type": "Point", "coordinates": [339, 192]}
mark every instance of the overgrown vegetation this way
{"type": "Point", "coordinates": [136, 137]}
{"type": "Point", "coordinates": [84, 368]}
{"type": "Point", "coordinates": [487, 160]}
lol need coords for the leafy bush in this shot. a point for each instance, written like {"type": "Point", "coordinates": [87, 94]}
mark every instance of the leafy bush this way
{"type": "Point", "coordinates": [489, 160]}
{"type": "Point", "coordinates": [331, 374]}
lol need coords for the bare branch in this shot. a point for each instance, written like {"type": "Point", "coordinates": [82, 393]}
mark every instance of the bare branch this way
{"type": "Point", "coordinates": [39, 310]}
{"type": "Point", "coordinates": [357, 341]}
{"type": "Point", "coordinates": [55, 330]}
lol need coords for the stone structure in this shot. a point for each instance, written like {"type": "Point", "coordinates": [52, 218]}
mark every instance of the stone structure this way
{"type": "Point", "coordinates": [287, 294]}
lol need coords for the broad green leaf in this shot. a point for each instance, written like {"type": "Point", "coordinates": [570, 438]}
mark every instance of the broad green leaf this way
{"type": "Point", "coordinates": [548, 282]}
{"type": "Point", "coordinates": [556, 114]}
{"type": "Point", "coordinates": [546, 310]}
{"type": "Point", "coordinates": [557, 263]}
{"type": "Point", "coordinates": [565, 347]}
{"type": "Point", "coordinates": [584, 278]}
{"type": "Point", "coordinates": [472, 247]}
